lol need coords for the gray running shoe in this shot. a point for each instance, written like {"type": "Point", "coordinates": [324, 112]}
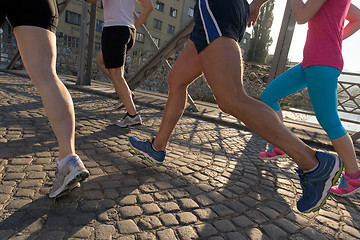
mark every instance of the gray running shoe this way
{"type": "Point", "coordinates": [68, 176]}
{"type": "Point", "coordinates": [120, 103]}
{"type": "Point", "coordinates": [129, 121]}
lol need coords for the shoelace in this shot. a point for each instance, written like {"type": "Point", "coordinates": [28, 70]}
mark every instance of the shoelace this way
{"type": "Point", "coordinates": [343, 182]}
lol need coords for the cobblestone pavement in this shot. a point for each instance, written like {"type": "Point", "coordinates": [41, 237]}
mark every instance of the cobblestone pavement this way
{"type": "Point", "coordinates": [212, 185]}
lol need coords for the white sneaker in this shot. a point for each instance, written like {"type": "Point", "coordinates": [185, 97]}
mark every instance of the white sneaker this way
{"type": "Point", "coordinates": [120, 103]}
{"type": "Point", "coordinates": [129, 121]}
{"type": "Point", "coordinates": [68, 176]}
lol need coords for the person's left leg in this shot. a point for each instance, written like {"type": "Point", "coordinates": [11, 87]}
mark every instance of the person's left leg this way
{"type": "Point", "coordinates": [322, 87]}
{"type": "Point", "coordinates": [37, 48]}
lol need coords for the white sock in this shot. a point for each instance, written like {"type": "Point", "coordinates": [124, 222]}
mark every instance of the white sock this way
{"type": "Point", "coordinates": [314, 168]}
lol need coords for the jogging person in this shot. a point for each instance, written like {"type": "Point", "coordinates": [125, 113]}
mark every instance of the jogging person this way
{"type": "Point", "coordinates": [34, 24]}
{"type": "Point", "coordinates": [318, 72]}
{"type": "Point", "coordinates": [213, 50]}
{"type": "Point", "coordinates": [118, 37]}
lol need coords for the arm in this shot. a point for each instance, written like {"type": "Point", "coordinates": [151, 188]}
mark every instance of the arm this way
{"type": "Point", "coordinates": [91, 1]}
{"type": "Point", "coordinates": [147, 9]}
{"type": "Point", "coordinates": [304, 12]}
{"type": "Point", "coordinates": [255, 6]}
{"type": "Point", "coordinates": [353, 25]}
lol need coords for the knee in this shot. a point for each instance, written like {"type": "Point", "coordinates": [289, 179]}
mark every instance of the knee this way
{"type": "Point", "coordinates": [174, 82]}
{"type": "Point", "coordinates": [230, 105]}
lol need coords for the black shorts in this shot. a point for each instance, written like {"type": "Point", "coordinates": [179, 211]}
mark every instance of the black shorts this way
{"type": "Point", "coordinates": [216, 18]}
{"type": "Point", "coordinates": [115, 42]}
{"type": "Point", "coordinates": [39, 13]}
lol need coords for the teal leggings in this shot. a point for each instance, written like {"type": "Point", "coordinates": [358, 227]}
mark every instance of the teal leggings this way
{"type": "Point", "coordinates": [321, 82]}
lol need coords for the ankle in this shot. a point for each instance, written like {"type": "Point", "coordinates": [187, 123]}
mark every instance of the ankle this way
{"type": "Point", "coordinates": [353, 175]}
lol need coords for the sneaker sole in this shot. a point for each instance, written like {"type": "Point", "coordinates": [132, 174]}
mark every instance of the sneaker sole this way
{"type": "Point", "coordinates": [146, 156]}
{"type": "Point", "coordinates": [336, 172]}
{"type": "Point", "coordinates": [68, 189]}
{"type": "Point", "coordinates": [75, 176]}
{"type": "Point", "coordinates": [275, 157]}
{"type": "Point", "coordinates": [128, 125]}
{"type": "Point", "coordinates": [346, 194]}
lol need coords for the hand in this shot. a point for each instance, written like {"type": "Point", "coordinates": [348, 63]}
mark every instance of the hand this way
{"type": "Point", "coordinates": [254, 13]}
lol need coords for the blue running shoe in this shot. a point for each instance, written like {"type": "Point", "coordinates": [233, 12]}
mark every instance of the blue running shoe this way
{"type": "Point", "coordinates": [316, 184]}
{"type": "Point", "coordinates": [145, 148]}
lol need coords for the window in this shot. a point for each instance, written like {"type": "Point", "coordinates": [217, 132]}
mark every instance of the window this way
{"type": "Point", "coordinates": [171, 29]}
{"type": "Point", "coordinates": [157, 41]}
{"type": "Point", "coordinates": [72, 17]}
{"type": "Point", "coordinates": [140, 37]}
{"type": "Point", "coordinates": [99, 25]}
{"type": "Point", "coordinates": [159, 6]}
{"type": "Point", "coordinates": [244, 40]}
{"type": "Point", "coordinates": [71, 41]}
{"type": "Point", "coordinates": [157, 24]}
{"type": "Point", "coordinates": [191, 12]}
{"type": "Point", "coordinates": [173, 12]}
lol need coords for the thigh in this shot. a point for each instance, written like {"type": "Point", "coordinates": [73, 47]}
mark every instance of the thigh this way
{"type": "Point", "coordinates": [322, 87]}
{"type": "Point", "coordinates": [289, 82]}
{"type": "Point", "coordinates": [221, 62]}
{"type": "Point", "coordinates": [186, 68]}
{"type": "Point", "coordinates": [37, 48]}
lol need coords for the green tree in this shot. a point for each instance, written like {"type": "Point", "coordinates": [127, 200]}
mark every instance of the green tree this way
{"type": "Point", "coordinates": [261, 39]}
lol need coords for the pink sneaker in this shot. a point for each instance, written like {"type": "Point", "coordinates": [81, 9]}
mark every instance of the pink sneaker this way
{"type": "Point", "coordinates": [272, 153]}
{"type": "Point", "coordinates": [347, 186]}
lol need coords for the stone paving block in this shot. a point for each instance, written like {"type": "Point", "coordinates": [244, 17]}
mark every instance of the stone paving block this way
{"type": "Point", "coordinates": [186, 233]}
{"type": "Point", "coordinates": [273, 231]}
{"type": "Point", "coordinates": [221, 210]}
{"type": "Point", "coordinates": [169, 219]}
{"type": "Point", "coordinates": [145, 198]}
{"type": "Point", "coordinates": [187, 203]}
{"type": "Point", "coordinates": [149, 223]}
{"type": "Point", "coordinates": [127, 200]}
{"type": "Point", "coordinates": [235, 236]}
{"type": "Point", "coordinates": [146, 236]}
{"type": "Point", "coordinates": [83, 218]}
{"type": "Point", "coordinates": [186, 218]}
{"type": "Point", "coordinates": [203, 200]}
{"type": "Point", "coordinates": [150, 209]}
{"type": "Point", "coordinates": [312, 234]}
{"type": "Point", "coordinates": [104, 231]}
{"type": "Point", "coordinates": [287, 225]}
{"type": "Point", "coordinates": [127, 227]}
{"type": "Point", "coordinates": [206, 230]}
{"type": "Point", "coordinates": [130, 211]}
{"type": "Point", "coordinates": [255, 233]}
{"type": "Point", "coordinates": [242, 222]}
{"type": "Point", "coordinates": [169, 207]}
{"type": "Point", "coordinates": [224, 226]}
{"type": "Point", "coordinates": [167, 234]}
{"type": "Point", "coordinates": [83, 232]}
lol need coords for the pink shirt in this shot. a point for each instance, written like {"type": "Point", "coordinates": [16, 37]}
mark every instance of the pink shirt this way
{"type": "Point", "coordinates": [324, 37]}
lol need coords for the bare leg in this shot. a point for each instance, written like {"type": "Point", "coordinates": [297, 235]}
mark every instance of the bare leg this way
{"type": "Point", "coordinates": [344, 147]}
{"type": "Point", "coordinates": [38, 51]}
{"type": "Point", "coordinates": [122, 89]}
{"type": "Point", "coordinates": [185, 70]}
{"type": "Point", "coordinates": [222, 65]}
{"type": "Point", "coordinates": [101, 64]}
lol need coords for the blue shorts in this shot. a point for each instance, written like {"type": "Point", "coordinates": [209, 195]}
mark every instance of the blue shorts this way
{"type": "Point", "coordinates": [216, 18]}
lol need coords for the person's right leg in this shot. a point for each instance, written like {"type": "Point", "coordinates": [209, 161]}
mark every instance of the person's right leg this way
{"type": "Point", "coordinates": [289, 82]}
{"type": "Point", "coordinates": [318, 171]}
